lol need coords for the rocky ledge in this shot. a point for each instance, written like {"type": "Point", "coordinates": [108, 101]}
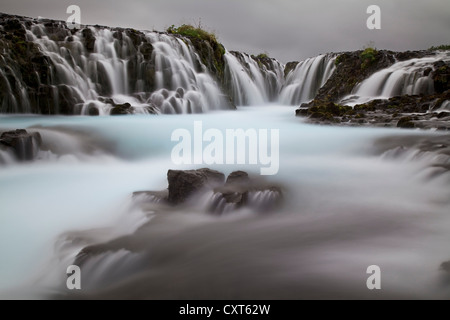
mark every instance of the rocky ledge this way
{"type": "Point", "coordinates": [221, 196]}
{"type": "Point", "coordinates": [426, 111]}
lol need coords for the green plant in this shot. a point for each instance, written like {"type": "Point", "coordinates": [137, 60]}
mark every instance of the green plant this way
{"type": "Point", "coordinates": [368, 56]}
{"type": "Point", "coordinates": [188, 30]}
{"type": "Point", "coordinates": [262, 56]}
{"type": "Point", "coordinates": [338, 60]}
{"type": "Point", "coordinates": [441, 47]}
{"type": "Point", "coordinates": [198, 33]}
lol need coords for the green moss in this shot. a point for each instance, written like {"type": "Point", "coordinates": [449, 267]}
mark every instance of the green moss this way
{"type": "Point", "coordinates": [330, 108]}
{"type": "Point", "coordinates": [441, 47]}
{"type": "Point", "coordinates": [190, 31]}
{"type": "Point", "coordinates": [209, 49]}
{"type": "Point", "coordinates": [338, 60]}
{"type": "Point", "coordinates": [262, 56]}
{"type": "Point", "coordinates": [368, 56]}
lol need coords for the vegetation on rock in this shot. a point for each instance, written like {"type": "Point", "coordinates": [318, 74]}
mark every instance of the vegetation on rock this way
{"type": "Point", "coordinates": [208, 47]}
{"type": "Point", "coordinates": [441, 47]}
{"type": "Point", "coordinates": [368, 56]}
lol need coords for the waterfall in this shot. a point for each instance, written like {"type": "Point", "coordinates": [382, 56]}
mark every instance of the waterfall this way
{"type": "Point", "coordinates": [100, 70]}
{"type": "Point", "coordinates": [250, 81]}
{"type": "Point", "coordinates": [410, 77]}
{"type": "Point", "coordinates": [303, 83]}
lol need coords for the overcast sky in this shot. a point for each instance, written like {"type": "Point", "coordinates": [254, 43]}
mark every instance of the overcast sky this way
{"type": "Point", "coordinates": [285, 29]}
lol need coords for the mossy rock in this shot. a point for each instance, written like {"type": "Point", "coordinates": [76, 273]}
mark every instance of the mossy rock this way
{"type": "Point", "coordinates": [405, 122]}
{"type": "Point", "coordinates": [121, 109]}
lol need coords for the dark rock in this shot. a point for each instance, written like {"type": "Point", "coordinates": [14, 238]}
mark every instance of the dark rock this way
{"type": "Point", "coordinates": [89, 39]}
{"type": "Point", "coordinates": [183, 184]}
{"type": "Point", "coordinates": [121, 109]}
{"type": "Point", "coordinates": [441, 76]}
{"type": "Point", "coordinates": [289, 67]}
{"type": "Point", "coordinates": [405, 122]}
{"type": "Point", "coordinates": [23, 144]}
{"type": "Point", "coordinates": [238, 177]}
{"type": "Point", "coordinates": [14, 26]}
{"type": "Point", "coordinates": [146, 49]}
{"type": "Point", "coordinates": [443, 114]}
{"type": "Point", "coordinates": [445, 266]}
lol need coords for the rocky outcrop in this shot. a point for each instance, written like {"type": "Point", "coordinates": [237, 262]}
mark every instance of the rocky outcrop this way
{"type": "Point", "coordinates": [22, 144]}
{"type": "Point", "coordinates": [238, 191]}
{"type": "Point", "coordinates": [405, 111]}
{"type": "Point", "coordinates": [183, 184]}
{"type": "Point", "coordinates": [241, 191]}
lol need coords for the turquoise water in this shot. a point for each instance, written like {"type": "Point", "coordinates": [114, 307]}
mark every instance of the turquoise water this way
{"type": "Point", "coordinates": [358, 207]}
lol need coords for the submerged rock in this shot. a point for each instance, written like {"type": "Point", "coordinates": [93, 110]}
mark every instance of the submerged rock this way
{"type": "Point", "coordinates": [239, 190]}
{"type": "Point", "coordinates": [405, 122]}
{"type": "Point", "coordinates": [183, 184]}
{"type": "Point", "coordinates": [24, 145]}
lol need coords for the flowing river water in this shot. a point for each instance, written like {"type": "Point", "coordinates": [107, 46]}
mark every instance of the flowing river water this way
{"type": "Point", "coordinates": [347, 205]}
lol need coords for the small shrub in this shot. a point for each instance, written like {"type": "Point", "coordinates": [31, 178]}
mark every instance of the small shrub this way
{"type": "Point", "coordinates": [368, 56]}
{"type": "Point", "coordinates": [441, 47]}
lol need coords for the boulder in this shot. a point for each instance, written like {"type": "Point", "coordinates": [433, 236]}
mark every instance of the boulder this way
{"type": "Point", "coordinates": [23, 144]}
{"type": "Point", "coordinates": [405, 122]}
{"type": "Point", "coordinates": [183, 184]}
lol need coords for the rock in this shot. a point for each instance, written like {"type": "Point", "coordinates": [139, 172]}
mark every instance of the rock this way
{"type": "Point", "coordinates": [24, 145]}
{"type": "Point", "coordinates": [242, 191]}
{"type": "Point", "coordinates": [238, 177]}
{"type": "Point", "coordinates": [146, 49]}
{"type": "Point", "coordinates": [405, 122]}
{"type": "Point", "coordinates": [121, 109]}
{"type": "Point", "coordinates": [441, 76]}
{"type": "Point", "coordinates": [237, 192]}
{"type": "Point", "coordinates": [445, 266]}
{"type": "Point", "coordinates": [89, 39]}
{"type": "Point", "coordinates": [289, 67]}
{"type": "Point", "coordinates": [183, 184]}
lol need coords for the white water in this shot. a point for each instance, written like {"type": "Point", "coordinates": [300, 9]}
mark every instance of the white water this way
{"type": "Point", "coordinates": [303, 83]}
{"type": "Point", "coordinates": [252, 84]}
{"type": "Point", "coordinates": [402, 78]}
{"type": "Point", "coordinates": [116, 70]}
{"type": "Point", "coordinates": [345, 208]}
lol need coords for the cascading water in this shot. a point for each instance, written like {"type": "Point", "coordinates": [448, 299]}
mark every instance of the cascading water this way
{"type": "Point", "coordinates": [100, 70]}
{"type": "Point", "coordinates": [251, 82]}
{"type": "Point", "coordinates": [410, 77]}
{"type": "Point", "coordinates": [344, 205]}
{"type": "Point", "coordinates": [303, 83]}
{"type": "Point", "coordinates": [97, 69]}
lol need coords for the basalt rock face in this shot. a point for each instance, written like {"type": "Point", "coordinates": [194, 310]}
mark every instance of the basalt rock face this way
{"type": "Point", "coordinates": [47, 68]}
{"type": "Point", "coordinates": [415, 94]}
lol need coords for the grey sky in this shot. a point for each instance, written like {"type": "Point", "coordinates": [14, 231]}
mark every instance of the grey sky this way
{"type": "Point", "coordinates": [285, 29]}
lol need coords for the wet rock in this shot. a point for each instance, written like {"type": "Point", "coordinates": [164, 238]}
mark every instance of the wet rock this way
{"type": "Point", "coordinates": [289, 67]}
{"type": "Point", "coordinates": [88, 39]}
{"type": "Point", "coordinates": [24, 145]}
{"type": "Point", "coordinates": [183, 184]}
{"type": "Point", "coordinates": [238, 177]}
{"type": "Point", "coordinates": [242, 191]}
{"type": "Point", "coordinates": [405, 122]}
{"type": "Point", "coordinates": [121, 109]}
{"type": "Point", "coordinates": [441, 76]}
{"type": "Point", "coordinates": [445, 266]}
{"type": "Point", "coordinates": [239, 190]}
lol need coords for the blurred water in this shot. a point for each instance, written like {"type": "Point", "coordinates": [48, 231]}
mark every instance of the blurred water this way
{"type": "Point", "coordinates": [345, 208]}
